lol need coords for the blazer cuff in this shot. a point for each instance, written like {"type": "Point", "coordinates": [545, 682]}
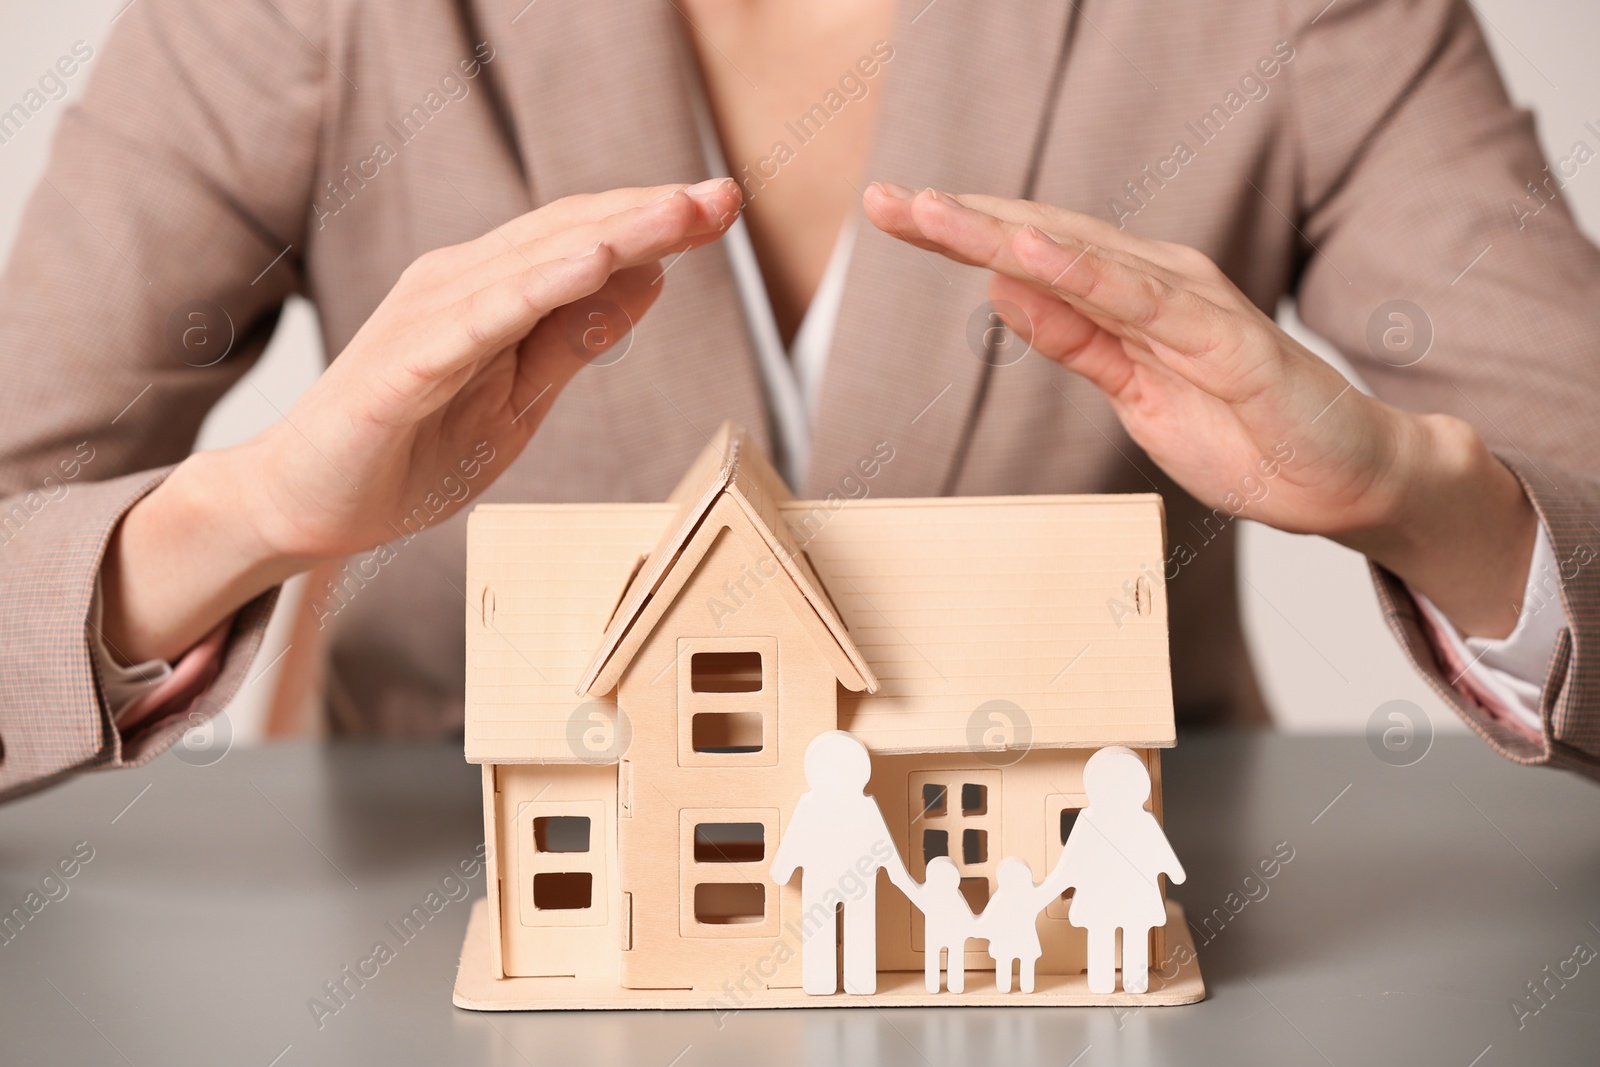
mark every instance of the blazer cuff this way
{"type": "Point", "coordinates": [53, 719]}
{"type": "Point", "coordinates": [1568, 729]}
{"type": "Point", "coordinates": [1506, 676]}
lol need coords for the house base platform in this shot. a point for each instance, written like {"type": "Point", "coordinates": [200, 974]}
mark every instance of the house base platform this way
{"type": "Point", "coordinates": [476, 990]}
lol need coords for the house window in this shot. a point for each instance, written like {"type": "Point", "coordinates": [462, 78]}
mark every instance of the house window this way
{"type": "Point", "coordinates": [974, 798]}
{"type": "Point", "coordinates": [561, 833]}
{"type": "Point", "coordinates": [561, 862]}
{"type": "Point", "coordinates": [725, 672]}
{"type": "Point", "coordinates": [729, 842]}
{"type": "Point", "coordinates": [727, 710]}
{"type": "Point", "coordinates": [974, 847]}
{"type": "Point", "coordinates": [728, 732]}
{"type": "Point", "coordinates": [956, 813]}
{"type": "Point", "coordinates": [563, 890]}
{"type": "Point", "coordinates": [723, 856]}
{"type": "Point", "coordinates": [1060, 816]}
{"type": "Point", "coordinates": [730, 903]}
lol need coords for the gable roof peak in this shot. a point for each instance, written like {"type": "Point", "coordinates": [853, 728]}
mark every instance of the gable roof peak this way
{"type": "Point", "coordinates": [729, 466]}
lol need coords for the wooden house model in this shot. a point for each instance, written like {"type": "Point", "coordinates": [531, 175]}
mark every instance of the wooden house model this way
{"type": "Point", "coordinates": [643, 682]}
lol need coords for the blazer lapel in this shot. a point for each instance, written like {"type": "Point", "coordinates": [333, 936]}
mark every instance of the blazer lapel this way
{"type": "Point", "coordinates": [965, 98]}
{"type": "Point", "coordinates": [597, 97]}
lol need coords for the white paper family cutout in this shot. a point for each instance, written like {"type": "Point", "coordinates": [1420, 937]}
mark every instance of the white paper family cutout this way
{"type": "Point", "coordinates": [1111, 861]}
{"type": "Point", "coordinates": [839, 837]}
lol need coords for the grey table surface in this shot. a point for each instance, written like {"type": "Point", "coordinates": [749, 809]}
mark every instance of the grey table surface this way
{"type": "Point", "coordinates": [1418, 904]}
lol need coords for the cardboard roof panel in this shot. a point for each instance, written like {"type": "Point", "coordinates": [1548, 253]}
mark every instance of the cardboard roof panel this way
{"type": "Point", "coordinates": [953, 603]}
{"type": "Point", "coordinates": [961, 603]}
{"type": "Point", "coordinates": [690, 499]}
{"type": "Point", "coordinates": [728, 468]}
{"type": "Point", "coordinates": [550, 574]}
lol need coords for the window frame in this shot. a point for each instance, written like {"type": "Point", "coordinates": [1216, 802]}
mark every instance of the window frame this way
{"type": "Point", "coordinates": [692, 872]}
{"type": "Point", "coordinates": [762, 702]}
{"type": "Point", "coordinates": [531, 861]}
{"type": "Point", "coordinates": [955, 822]}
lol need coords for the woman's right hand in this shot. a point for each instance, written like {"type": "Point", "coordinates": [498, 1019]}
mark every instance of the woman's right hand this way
{"type": "Point", "coordinates": [472, 345]}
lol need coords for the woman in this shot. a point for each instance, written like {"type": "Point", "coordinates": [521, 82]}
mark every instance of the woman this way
{"type": "Point", "coordinates": [480, 200]}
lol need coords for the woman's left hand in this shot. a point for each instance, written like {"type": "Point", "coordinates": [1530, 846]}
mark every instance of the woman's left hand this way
{"type": "Point", "coordinates": [1210, 388]}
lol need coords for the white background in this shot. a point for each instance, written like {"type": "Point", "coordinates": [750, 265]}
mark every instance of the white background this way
{"type": "Point", "coordinates": [1321, 649]}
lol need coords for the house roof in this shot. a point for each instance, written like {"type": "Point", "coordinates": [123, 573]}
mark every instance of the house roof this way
{"type": "Point", "coordinates": [728, 469]}
{"type": "Point", "coordinates": [1013, 621]}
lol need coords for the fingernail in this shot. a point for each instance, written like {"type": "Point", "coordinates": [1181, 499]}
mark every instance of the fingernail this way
{"type": "Point", "coordinates": [897, 192]}
{"type": "Point", "coordinates": [1034, 231]}
{"type": "Point", "coordinates": [668, 195]}
{"type": "Point", "coordinates": [944, 198]}
{"type": "Point", "coordinates": [707, 187]}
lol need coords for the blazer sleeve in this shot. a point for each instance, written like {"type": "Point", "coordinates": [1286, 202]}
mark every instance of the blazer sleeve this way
{"type": "Point", "coordinates": [1419, 181]}
{"type": "Point", "coordinates": [147, 275]}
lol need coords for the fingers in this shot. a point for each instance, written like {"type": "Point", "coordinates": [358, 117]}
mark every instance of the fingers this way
{"type": "Point", "coordinates": [1060, 332]}
{"type": "Point", "coordinates": [451, 345]}
{"type": "Point", "coordinates": [1128, 296]}
{"type": "Point", "coordinates": [716, 198]}
{"type": "Point", "coordinates": [931, 219]}
{"type": "Point", "coordinates": [937, 222]}
{"type": "Point", "coordinates": [1134, 295]}
{"type": "Point", "coordinates": [947, 225]}
{"type": "Point", "coordinates": [668, 225]}
{"type": "Point", "coordinates": [1073, 225]}
{"type": "Point", "coordinates": [589, 330]}
{"type": "Point", "coordinates": [675, 219]}
{"type": "Point", "coordinates": [500, 315]}
{"type": "Point", "coordinates": [1099, 282]}
{"type": "Point", "coordinates": [1147, 306]}
{"type": "Point", "coordinates": [458, 317]}
{"type": "Point", "coordinates": [889, 207]}
{"type": "Point", "coordinates": [1213, 349]}
{"type": "Point", "coordinates": [563, 228]}
{"type": "Point", "coordinates": [676, 223]}
{"type": "Point", "coordinates": [586, 330]}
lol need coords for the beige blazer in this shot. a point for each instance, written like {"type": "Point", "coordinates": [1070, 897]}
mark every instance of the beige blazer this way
{"type": "Point", "coordinates": [234, 153]}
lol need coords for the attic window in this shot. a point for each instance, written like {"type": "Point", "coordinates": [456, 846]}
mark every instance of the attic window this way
{"type": "Point", "coordinates": [725, 672]}
{"type": "Point", "coordinates": [933, 799]}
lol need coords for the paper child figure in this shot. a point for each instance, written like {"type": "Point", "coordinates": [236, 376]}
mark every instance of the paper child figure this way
{"type": "Point", "coordinates": [1010, 921]}
{"type": "Point", "coordinates": [838, 835]}
{"type": "Point", "coordinates": [947, 923]}
{"type": "Point", "coordinates": [1113, 857]}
